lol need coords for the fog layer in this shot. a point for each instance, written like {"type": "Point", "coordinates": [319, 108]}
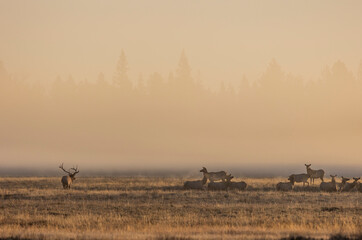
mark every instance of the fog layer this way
{"type": "Point", "coordinates": [256, 85]}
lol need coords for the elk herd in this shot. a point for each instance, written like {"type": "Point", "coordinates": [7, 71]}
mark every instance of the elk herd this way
{"type": "Point", "coordinates": [225, 184]}
{"type": "Point", "coordinates": [222, 181]}
{"type": "Point", "coordinates": [311, 174]}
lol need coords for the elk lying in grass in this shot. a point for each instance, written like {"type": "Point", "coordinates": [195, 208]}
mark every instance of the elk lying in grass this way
{"type": "Point", "coordinates": [359, 187]}
{"type": "Point", "coordinates": [199, 184]}
{"type": "Point", "coordinates": [238, 185]}
{"type": "Point", "coordinates": [346, 187]}
{"type": "Point", "coordinates": [284, 186]}
{"type": "Point", "coordinates": [329, 186]}
{"type": "Point", "coordinates": [220, 185]}
{"type": "Point", "coordinates": [344, 181]}
{"type": "Point", "coordinates": [303, 177]}
{"type": "Point", "coordinates": [214, 176]}
{"type": "Point", "coordinates": [68, 180]}
{"type": "Point", "coordinates": [314, 173]}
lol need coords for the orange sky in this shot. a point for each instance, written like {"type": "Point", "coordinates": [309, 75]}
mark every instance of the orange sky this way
{"type": "Point", "coordinates": [223, 40]}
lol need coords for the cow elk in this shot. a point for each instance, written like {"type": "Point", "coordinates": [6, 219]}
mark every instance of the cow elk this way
{"type": "Point", "coordinates": [344, 181]}
{"type": "Point", "coordinates": [68, 179]}
{"type": "Point", "coordinates": [238, 185]}
{"type": "Point", "coordinates": [214, 176]}
{"type": "Point", "coordinates": [198, 184]}
{"type": "Point", "coordinates": [359, 187]}
{"type": "Point", "coordinates": [220, 185]}
{"type": "Point", "coordinates": [299, 178]}
{"type": "Point", "coordinates": [329, 186]}
{"type": "Point", "coordinates": [284, 186]}
{"type": "Point", "coordinates": [314, 173]}
{"type": "Point", "coordinates": [347, 187]}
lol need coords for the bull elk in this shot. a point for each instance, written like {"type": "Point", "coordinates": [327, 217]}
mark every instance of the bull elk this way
{"type": "Point", "coordinates": [68, 180]}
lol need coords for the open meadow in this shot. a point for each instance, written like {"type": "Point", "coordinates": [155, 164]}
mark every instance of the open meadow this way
{"type": "Point", "coordinates": [159, 208]}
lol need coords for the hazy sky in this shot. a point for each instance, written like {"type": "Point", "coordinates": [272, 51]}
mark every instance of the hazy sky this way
{"type": "Point", "coordinates": [222, 39]}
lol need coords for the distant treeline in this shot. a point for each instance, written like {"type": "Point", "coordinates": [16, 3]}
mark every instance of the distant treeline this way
{"type": "Point", "coordinates": [275, 117]}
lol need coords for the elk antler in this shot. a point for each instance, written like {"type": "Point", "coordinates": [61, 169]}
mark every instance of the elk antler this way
{"type": "Point", "coordinates": [61, 167]}
{"type": "Point", "coordinates": [76, 170]}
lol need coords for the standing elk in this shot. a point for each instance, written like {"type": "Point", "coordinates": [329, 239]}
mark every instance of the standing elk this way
{"type": "Point", "coordinates": [214, 176]}
{"type": "Point", "coordinates": [329, 186]}
{"type": "Point", "coordinates": [314, 173]}
{"type": "Point", "coordinates": [68, 180]}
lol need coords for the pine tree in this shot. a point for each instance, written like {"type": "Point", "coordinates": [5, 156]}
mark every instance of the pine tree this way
{"type": "Point", "coordinates": [121, 78]}
{"type": "Point", "coordinates": [273, 77]}
{"type": "Point", "coordinates": [184, 79]}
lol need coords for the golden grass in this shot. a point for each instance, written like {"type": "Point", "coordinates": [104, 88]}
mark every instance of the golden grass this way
{"type": "Point", "coordinates": [158, 208]}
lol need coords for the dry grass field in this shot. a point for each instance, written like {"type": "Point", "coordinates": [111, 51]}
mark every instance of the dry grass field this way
{"type": "Point", "coordinates": [158, 208]}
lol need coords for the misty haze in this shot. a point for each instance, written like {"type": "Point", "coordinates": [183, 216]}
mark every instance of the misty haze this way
{"type": "Point", "coordinates": [180, 120]}
{"type": "Point", "coordinates": [176, 121]}
{"type": "Point", "coordinates": [227, 94]}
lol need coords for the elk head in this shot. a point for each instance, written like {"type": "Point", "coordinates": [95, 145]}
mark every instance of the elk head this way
{"type": "Point", "coordinates": [70, 174]}
{"type": "Point", "coordinates": [204, 170]}
{"type": "Point", "coordinates": [291, 179]}
{"type": "Point", "coordinates": [229, 177]}
{"type": "Point", "coordinates": [356, 179]}
{"type": "Point", "coordinates": [344, 181]}
{"type": "Point", "coordinates": [333, 177]}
